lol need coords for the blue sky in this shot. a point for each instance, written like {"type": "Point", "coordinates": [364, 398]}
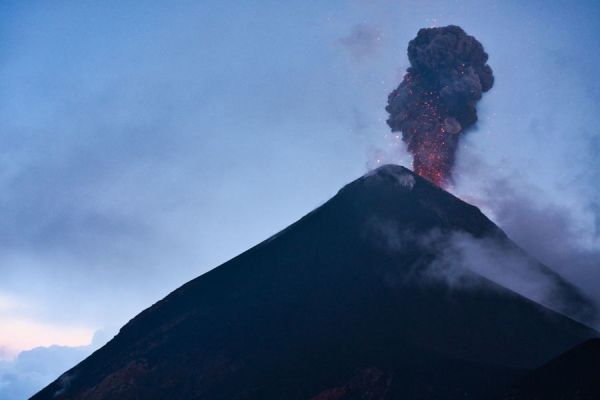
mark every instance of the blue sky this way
{"type": "Point", "coordinates": [144, 143]}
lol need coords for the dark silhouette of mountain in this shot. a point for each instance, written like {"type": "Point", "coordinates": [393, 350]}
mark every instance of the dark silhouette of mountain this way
{"type": "Point", "coordinates": [574, 374]}
{"type": "Point", "coordinates": [353, 301]}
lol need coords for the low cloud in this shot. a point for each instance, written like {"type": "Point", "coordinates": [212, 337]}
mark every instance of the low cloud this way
{"type": "Point", "coordinates": [33, 369]}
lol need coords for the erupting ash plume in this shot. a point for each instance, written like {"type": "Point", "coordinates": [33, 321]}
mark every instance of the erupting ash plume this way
{"type": "Point", "coordinates": [435, 102]}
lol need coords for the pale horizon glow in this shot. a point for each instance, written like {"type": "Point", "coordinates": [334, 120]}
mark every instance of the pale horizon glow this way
{"type": "Point", "coordinates": [21, 333]}
{"type": "Point", "coordinates": [17, 335]}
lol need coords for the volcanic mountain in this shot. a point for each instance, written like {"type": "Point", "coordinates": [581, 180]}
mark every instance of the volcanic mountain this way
{"type": "Point", "coordinates": [370, 296]}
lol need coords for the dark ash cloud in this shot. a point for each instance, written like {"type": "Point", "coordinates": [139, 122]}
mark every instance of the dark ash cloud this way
{"type": "Point", "coordinates": [436, 101]}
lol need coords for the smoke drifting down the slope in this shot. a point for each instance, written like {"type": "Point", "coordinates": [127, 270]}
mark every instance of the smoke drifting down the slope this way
{"type": "Point", "coordinates": [436, 101]}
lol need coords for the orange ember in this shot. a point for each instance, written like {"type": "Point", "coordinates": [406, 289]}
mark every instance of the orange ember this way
{"type": "Point", "coordinates": [433, 155]}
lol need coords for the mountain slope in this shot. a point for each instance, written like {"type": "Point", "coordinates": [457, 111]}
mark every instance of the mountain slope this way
{"type": "Point", "coordinates": [353, 300]}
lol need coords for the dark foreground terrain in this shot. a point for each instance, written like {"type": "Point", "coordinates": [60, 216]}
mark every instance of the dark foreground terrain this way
{"type": "Point", "coordinates": [574, 374]}
{"type": "Point", "coordinates": [357, 300]}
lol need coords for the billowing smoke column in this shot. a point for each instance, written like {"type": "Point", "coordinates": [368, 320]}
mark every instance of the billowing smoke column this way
{"type": "Point", "coordinates": [435, 102]}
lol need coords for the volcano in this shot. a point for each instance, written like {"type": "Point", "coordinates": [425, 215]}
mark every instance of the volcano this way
{"type": "Point", "coordinates": [359, 299]}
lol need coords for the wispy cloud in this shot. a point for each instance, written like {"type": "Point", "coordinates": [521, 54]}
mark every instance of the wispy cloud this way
{"type": "Point", "coordinates": [464, 262]}
{"type": "Point", "coordinates": [558, 232]}
{"type": "Point", "coordinates": [362, 41]}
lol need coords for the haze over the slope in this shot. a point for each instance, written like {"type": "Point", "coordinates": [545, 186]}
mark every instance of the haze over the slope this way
{"type": "Point", "coordinates": [135, 139]}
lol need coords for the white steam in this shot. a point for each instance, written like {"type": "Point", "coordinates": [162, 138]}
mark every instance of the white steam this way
{"type": "Point", "coordinates": [464, 262]}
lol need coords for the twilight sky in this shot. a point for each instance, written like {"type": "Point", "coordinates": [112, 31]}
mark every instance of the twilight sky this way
{"type": "Point", "coordinates": [144, 143]}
